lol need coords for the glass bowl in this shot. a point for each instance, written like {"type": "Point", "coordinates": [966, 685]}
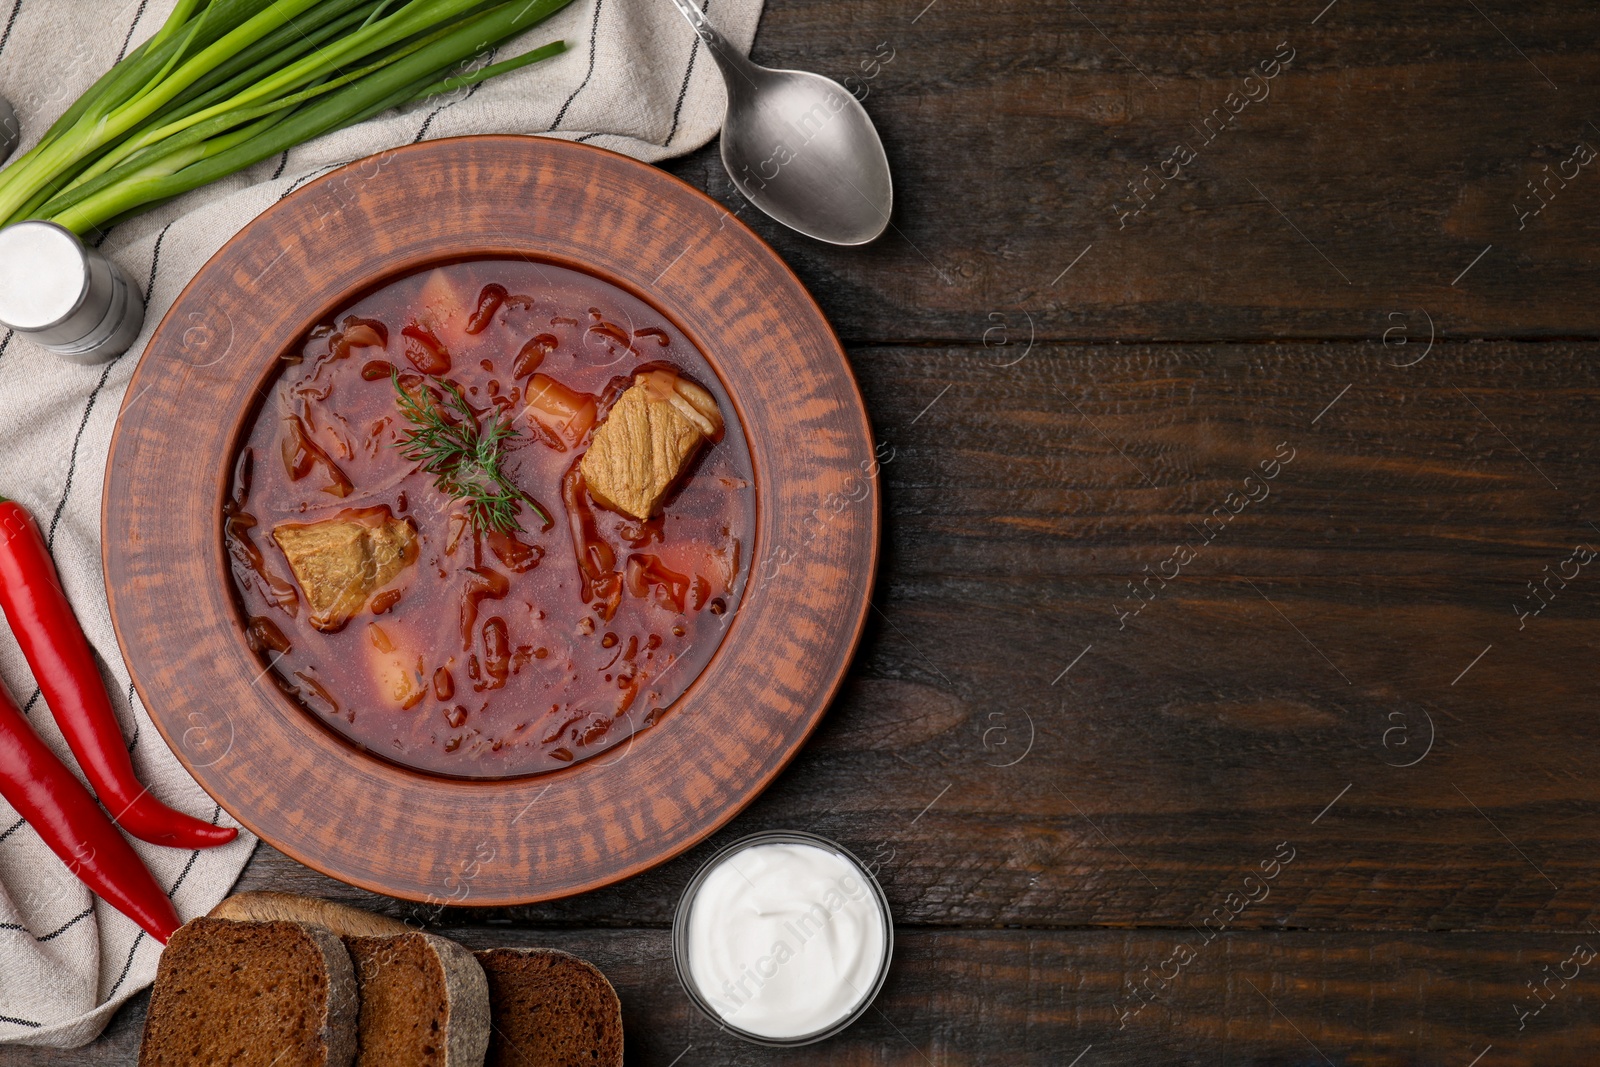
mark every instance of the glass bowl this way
{"type": "Point", "coordinates": [680, 936]}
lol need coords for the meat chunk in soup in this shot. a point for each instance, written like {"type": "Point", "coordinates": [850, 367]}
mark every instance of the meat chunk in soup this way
{"type": "Point", "coordinates": [340, 562]}
{"type": "Point", "coordinates": [648, 439]}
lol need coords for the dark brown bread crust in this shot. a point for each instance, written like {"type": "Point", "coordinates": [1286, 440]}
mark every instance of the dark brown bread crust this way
{"type": "Point", "coordinates": [270, 994]}
{"type": "Point", "coordinates": [550, 1009]}
{"type": "Point", "coordinates": [342, 919]}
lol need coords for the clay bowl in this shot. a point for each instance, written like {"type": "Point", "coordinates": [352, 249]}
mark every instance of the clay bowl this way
{"type": "Point", "coordinates": [406, 833]}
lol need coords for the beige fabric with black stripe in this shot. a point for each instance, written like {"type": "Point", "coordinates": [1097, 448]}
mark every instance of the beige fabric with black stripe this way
{"type": "Point", "coordinates": [634, 79]}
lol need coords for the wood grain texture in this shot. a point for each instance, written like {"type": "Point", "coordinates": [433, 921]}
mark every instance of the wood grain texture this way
{"type": "Point", "coordinates": [1176, 754]}
{"type": "Point", "coordinates": [1039, 998]}
{"type": "Point", "coordinates": [441, 840]}
{"type": "Point", "coordinates": [1273, 692]}
{"type": "Point", "coordinates": [1394, 148]}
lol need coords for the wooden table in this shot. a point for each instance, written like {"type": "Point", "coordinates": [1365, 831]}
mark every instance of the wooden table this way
{"type": "Point", "coordinates": [1230, 693]}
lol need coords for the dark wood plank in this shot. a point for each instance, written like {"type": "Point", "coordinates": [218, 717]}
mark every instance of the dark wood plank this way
{"type": "Point", "coordinates": [1393, 149]}
{"type": "Point", "coordinates": [1035, 997]}
{"type": "Point", "coordinates": [1271, 695]}
{"type": "Point", "coordinates": [1295, 666]}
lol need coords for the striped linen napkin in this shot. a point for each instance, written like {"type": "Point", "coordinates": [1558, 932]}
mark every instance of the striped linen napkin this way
{"type": "Point", "coordinates": [635, 79]}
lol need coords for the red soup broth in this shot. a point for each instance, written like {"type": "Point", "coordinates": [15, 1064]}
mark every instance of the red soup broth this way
{"type": "Point", "coordinates": [512, 656]}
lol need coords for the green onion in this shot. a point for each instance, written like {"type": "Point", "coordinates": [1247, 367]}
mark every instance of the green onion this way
{"type": "Point", "coordinates": [225, 84]}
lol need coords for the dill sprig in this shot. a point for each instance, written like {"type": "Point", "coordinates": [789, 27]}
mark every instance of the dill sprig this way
{"type": "Point", "coordinates": [464, 456]}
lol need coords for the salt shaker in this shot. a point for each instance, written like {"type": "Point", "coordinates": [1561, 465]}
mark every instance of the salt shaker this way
{"type": "Point", "coordinates": [65, 296]}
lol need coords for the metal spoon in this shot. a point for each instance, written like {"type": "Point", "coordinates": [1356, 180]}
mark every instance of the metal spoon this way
{"type": "Point", "coordinates": [799, 146]}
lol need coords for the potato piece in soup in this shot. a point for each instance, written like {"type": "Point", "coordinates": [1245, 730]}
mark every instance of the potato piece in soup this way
{"type": "Point", "coordinates": [398, 671]}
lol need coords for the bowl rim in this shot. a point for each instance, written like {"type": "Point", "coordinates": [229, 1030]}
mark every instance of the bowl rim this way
{"type": "Point", "coordinates": [825, 692]}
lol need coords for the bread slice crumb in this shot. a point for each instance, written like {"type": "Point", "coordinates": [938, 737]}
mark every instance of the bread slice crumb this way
{"type": "Point", "coordinates": [550, 1009]}
{"type": "Point", "coordinates": [252, 994]}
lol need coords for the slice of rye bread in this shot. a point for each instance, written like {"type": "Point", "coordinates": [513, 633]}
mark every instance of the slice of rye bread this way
{"type": "Point", "coordinates": [252, 994]}
{"type": "Point", "coordinates": [550, 1009]}
{"type": "Point", "coordinates": [424, 999]}
{"type": "Point", "coordinates": [424, 1002]}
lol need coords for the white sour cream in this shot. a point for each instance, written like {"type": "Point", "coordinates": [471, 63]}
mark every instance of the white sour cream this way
{"type": "Point", "coordinates": [785, 940]}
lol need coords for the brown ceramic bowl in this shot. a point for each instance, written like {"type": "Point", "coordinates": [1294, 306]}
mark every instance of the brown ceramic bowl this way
{"type": "Point", "coordinates": [406, 833]}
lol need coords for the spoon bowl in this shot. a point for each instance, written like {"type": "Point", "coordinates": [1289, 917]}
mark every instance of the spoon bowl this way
{"type": "Point", "coordinates": [802, 149]}
{"type": "Point", "coordinates": [800, 146]}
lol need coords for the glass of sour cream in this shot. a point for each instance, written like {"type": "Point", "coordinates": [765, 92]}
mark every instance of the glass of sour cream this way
{"type": "Point", "coordinates": [783, 938]}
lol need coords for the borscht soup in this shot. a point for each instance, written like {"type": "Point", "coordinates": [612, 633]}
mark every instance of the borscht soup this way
{"type": "Point", "coordinates": [491, 519]}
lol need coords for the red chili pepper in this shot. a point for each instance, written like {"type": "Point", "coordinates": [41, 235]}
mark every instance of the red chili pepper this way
{"type": "Point", "coordinates": [57, 651]}
{"type": "Point", "coordinates": [63, 813]}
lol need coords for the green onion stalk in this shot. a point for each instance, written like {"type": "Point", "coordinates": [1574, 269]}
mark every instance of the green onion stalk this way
{"type": "Point", "coordinates": [225, 84]}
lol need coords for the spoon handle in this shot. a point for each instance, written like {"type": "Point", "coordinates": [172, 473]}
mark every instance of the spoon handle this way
{"type": "Point", "coordinates": [732, 61]}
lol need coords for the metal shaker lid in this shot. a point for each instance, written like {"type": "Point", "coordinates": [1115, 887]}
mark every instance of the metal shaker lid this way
{"type": "Point", "coordinates": [44, 275]}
